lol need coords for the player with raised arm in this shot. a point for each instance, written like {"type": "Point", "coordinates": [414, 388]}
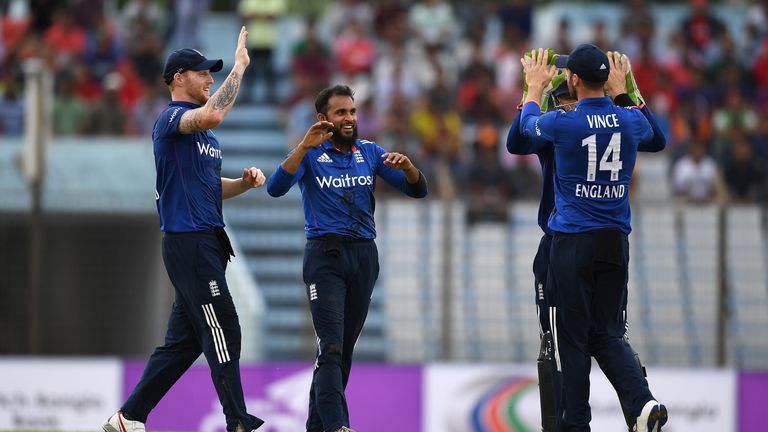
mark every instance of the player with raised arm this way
{"type": "Point", "coordinates": [595, 147]}
{"type": "Point", "coordinates": [621, 88]}
{"type": "Point", "coordinates": [196, 249]}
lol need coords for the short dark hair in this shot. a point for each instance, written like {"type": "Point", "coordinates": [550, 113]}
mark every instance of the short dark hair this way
{"type": "Point", "coordinates": [592, 85]}
{"type": "Point", "coordinates": [321, 101]}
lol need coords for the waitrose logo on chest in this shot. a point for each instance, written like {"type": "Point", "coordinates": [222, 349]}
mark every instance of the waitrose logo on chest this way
{"type": "Point", "coordinates": [209, 150]}
{"type": "Point", "coordinates": [343, 181]}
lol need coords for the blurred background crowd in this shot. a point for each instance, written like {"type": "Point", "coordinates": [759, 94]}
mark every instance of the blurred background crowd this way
{"type": "Point", "coordinates": [438, 80]}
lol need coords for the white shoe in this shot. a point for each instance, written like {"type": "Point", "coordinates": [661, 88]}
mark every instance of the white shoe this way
{"type": "Point", "coordinates": [118, 423]}
{"type": "Point", "coordinates": [652, 417]}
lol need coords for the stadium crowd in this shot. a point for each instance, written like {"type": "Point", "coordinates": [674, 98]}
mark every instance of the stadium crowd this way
{"type": "Point", "coordinates": [434, 79]}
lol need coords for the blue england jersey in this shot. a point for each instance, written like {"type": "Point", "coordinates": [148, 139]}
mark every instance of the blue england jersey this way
{"type": "Point", "coordinates": [188, 185]}
{"type": "Point", "coordinates": [337, 188]}
{"type": "Point", "coordinates": [595, 147]}
{"type": "Point", "coordinates": [521, 145]}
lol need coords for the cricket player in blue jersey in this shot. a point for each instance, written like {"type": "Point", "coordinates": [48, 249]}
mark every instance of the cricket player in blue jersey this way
{"type": "Point", "coordinates": [196, 249]}
{"type": "Point", "coordinates": [595, 146]}
{"type": "Point", "coordinates": [337, 172]}
{"type": "Point", "coordinates": [619, 89]}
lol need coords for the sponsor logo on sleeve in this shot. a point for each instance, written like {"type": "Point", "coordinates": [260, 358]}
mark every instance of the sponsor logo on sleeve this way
{"type": "Point", "coordinates": [173, 114]}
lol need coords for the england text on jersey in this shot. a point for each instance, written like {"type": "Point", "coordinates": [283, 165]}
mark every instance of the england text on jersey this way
{"type": "Point", "coordinates": [600, 191]}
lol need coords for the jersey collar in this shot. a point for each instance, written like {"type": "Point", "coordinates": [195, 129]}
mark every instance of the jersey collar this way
{"type": "Point", "coordinates": [595, 101]}
{"type": "Point", "coordinates": [328, 146]}
{"type": "Point", "coordinates": [184, 104]}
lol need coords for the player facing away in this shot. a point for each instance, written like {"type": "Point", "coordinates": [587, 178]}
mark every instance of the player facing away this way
{"type": "Point", "coordinates": [196, 248]}
{"type": "Point", "coordinates": [621, 88]}
{"type": "Point", "coordinates": [337, 173]}
{"type": "Point", "coordinates": [595, 147]}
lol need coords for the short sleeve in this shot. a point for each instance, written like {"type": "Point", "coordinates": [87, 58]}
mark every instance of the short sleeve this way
{"type": "Point", "coordinates": [168, 122]}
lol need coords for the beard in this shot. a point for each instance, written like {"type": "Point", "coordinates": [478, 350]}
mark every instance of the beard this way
{"type": "Point", "coordinates": [342, 140]}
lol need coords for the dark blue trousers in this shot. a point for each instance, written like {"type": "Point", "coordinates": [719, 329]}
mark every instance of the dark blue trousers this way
{"type": "Point", "coordinates": [544, 297]}
{"type": "Point", "coordinates": [339, 287]}
{"type": "Point", "coordinates": [203, 320]}
{"type": "Point", "coordinates": [589, 273]}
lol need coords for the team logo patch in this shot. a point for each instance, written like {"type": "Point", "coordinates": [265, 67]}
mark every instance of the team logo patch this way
{"type": "Point", "coordinates": [359, 157]}
{"type": "Point", "coordinates": [312, 292]}
{"type": "Point", "coordinates": [324, 158]}
{"type": "Point", "coordinates": [214, 286]}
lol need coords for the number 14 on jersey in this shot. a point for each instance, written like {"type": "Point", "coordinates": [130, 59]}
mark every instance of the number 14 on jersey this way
{"type": "Point", "coordinates": [613, 151]}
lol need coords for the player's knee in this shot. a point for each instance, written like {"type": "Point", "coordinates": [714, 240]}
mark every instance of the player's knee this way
{"type": "Point", "coordinates": [330, 353]}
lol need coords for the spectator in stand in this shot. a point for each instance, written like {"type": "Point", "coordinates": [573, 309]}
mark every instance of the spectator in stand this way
{"type": "Point", "coordinates": [339, 13]}
{"type": "Point", "coordinates": [368, 123]}
{"type": "Point", "coordinates": [756, 29]}
{"type": "Point", "coordinates": [433, 23]}
{"type": "Point", "coordinates": [438, 126]}
{"type": "Point", "coordinates": [562, 43]}
{"type": "Point", "coordinates": [637, 28]}
{"type": "Point", "coordinates": [757, 17]}
{"type": "Point", "coordinates": [507, 69]}
{"type": "Point", "coordinates": [518, 15]}
{"type": "Point", "coordinates": [488, 183]}
{"type": "Point", "coordinates": [646, 69]}
{"type": "Point", "coordinates": [106, 116]}
{"type": "Point", "coordinates": [396, 133]}
{"type": "Point", "coordinates": [145, 50]}
{"type": "Point", "coordinates": [600, 36]}
{"type": "Point", "coordinates": [744, 175]}
{"type": "Point", "coordinates": [86, 13]}
{"type": "Point", "coordinates": [260, 17]}
{"type": "Point", "coordinates": [760, 72]}
{"type": "Point", "coordinates": [736, 112]}
{"type": "Point", "coordinates": [41, 15]}
{"type": "Point", "coordinates": [188, 17]}
{"type": "Point", "coordinates": [398, 71]}
{"type": "Point", "coordinates": [11, 109]}
{"type": "Point", "coordinates": [84, 85]}
{"type": "Point", "coordinates": [391, 21]}
{"type": "Point", "coordinates": [702, 31]}
{"type": "Point", "coordinates": [70, 113]}
{"type": "Point", "coordinates": [479, 101]}
{"type": "Point", "coordinates": [146, 11]}
{"type": "Point", "coordinates": [311, 60]}
{"type": "Point", "coordinates": [355, 51]}
{"type": "Point", "coordinates": [102, 50]}
{"type": "Point", "coordinates": [696, 178]}
{"type": "Point", "coordinates": [65, 37]}
{"type": "Point", "coordinates": [147, 109]}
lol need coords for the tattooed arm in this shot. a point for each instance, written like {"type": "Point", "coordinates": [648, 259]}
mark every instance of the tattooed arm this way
{"type": "Point", "coordinates": [218, 106]}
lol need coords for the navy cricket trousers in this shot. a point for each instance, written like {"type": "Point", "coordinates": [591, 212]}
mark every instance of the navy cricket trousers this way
{"type": "Point", "coordinates": [203, 320]}
{"type": "Point", "coordinates": [543, 294]}
{"type": "Point", "coordinates": [339, 281]}
{"type": "Point", "coordinates": [589, 274]}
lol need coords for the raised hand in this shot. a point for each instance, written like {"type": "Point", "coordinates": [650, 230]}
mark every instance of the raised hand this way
{"type": "Point", "coordinates": [617, 77]}
{"type": "Point", "coordinates": [317, 134]}
{"type": "Point", "coordinates": [241, 52]}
